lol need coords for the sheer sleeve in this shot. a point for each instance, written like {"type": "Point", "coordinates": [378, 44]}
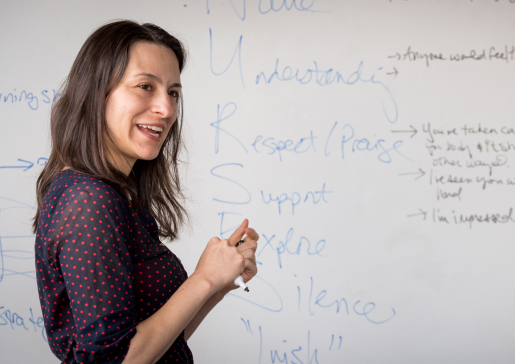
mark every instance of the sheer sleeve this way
{"type": "Point", "coordinates": [90, 251]}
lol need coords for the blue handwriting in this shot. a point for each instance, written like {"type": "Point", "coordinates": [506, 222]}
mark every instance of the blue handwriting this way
{"type": "Point", "coordinates": [219, 118]}
{"type": "Point", "coordinates": [328, 77]}
{"type": "Point", "coordinates": [225, 166]}
{"type": "Point", "coordinates": [289, 353]}
{"type": "Point", "coordinates": [15, 321]}
{"type": "Point", "coordinates": [31, 99]}
{"type": "Point", "coordinates": [28, 164]}
{"type": "Point", "coordinates": [279, 5]}
{"type": "Point", "coordinates": [224, 230]}
{"type": "Point", "coordinates": [266, 304]}
{"type": "Point", "coordinates": [357, 307]}
{"type": "Point", "coordinates": [264, 7]}
{"type": "Point", "coordinates": [344, 137]}
{"type": "Point", "coordinates": [236, 52]}
{"type": "Point", "coordinates": [280, 247]}
{"type": "Point", "coordinates": [296, 198]}
{"type": "Point", "coordinates": [288, 145]}
{"type": "Point", "coordinates": [17, 254]}
{"type": "Point", "coordinates": [350, 143]}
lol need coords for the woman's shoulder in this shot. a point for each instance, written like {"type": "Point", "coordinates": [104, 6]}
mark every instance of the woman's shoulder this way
{"type": "Point", "coordinates": [70, 186]}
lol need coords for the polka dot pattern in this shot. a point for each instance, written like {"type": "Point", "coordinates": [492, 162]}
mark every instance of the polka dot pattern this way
{"type": "Point", "coordinates": [101, 269]}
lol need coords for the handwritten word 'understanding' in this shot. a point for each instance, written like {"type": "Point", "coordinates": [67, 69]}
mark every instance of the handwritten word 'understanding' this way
{"type": "Point", "coordinates": [329, 76]}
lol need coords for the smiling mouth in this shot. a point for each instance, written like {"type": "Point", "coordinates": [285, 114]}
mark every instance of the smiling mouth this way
{"type": "Point", "coordinates": [152, 130]}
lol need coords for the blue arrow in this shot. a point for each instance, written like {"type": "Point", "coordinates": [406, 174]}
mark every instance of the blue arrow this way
{"type": "Point", "coordinates": [21, 160]}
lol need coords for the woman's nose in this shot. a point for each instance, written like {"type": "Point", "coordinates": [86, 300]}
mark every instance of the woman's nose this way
{"type": "Point", "coordinates": [164, 105]}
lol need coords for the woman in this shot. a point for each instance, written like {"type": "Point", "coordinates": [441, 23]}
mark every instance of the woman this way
{"type": "Point", "coordinates": [110, 291]}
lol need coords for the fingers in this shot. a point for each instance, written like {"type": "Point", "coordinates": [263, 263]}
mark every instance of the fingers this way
{"type": "Point", "coordinates": [237, 235]}
{"type": "Point", "coordinates": [248, 250]}
{"type": "Point", "coordinates": [250, 270]}
{"type": "Point", "coordinates": [248, 254]}
{"type": "Point", "coordinates": [251, 234]}
{"type": "Point", "coordinates": [214, 240]}
{"type": "Point", "coordinates": [248, 245]}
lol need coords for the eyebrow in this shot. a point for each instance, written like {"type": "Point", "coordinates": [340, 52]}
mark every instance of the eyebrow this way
{"type": "Point", "coordinates": [157, 79]}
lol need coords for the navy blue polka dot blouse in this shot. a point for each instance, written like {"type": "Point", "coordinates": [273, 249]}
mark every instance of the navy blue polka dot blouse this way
{"type": "Point", "coordinates": [101, 269]}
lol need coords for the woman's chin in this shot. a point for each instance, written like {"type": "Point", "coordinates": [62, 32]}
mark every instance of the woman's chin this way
{"type": "Point", "coordinates": [148, 156]}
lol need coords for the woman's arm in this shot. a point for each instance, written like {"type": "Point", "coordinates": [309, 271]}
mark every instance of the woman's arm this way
{"type": "Point", "coordinates": [157, 333]}
{"type": "Point", "coordinates": [216, 269]}
{"type": "Point", "coordinates": [248, 251]}
{"type": "Point", "coordinates": [201, 314]}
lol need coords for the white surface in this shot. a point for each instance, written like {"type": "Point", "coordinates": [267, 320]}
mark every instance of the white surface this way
{"type": "Point", "coordinates": [451, 285]}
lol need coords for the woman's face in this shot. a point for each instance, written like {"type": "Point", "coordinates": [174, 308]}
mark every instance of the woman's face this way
{"type": "Point", "coordinates": [142, 108]}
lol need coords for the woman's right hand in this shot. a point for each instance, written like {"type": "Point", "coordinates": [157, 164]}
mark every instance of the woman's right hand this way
{"type": "Point", "coordinates": [221, 263]}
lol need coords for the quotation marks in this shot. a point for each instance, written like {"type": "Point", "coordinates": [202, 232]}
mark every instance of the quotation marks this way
{"type": "Point", "coordinates": [247, 326]}
{"type": "Point", "coordinates": [332, 341]}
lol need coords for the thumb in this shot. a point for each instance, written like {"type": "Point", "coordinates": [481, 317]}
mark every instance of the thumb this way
{"type": "Point", "coordinates": [237, 235]}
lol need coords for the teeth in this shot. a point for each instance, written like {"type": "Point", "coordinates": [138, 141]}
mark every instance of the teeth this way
{"type": "Point", "coordinates": [155, 128]}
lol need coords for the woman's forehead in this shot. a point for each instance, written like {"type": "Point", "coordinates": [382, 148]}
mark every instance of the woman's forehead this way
{"type": "Point", "coordinates": [152, 59]}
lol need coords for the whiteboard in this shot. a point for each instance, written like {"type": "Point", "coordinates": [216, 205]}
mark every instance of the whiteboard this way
{"type": "Point", "coordinates": [370, 143]}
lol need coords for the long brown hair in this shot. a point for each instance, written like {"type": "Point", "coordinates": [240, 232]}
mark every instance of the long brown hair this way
{"type": "Point", "coordinates": [79, 130]}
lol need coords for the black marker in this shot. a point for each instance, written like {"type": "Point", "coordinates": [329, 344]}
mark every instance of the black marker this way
{"type": "Point", "coordinates": [239, 281]}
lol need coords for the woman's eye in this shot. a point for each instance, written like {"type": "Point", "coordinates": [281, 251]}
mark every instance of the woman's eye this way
{"type": "Point", "coordinates": [173, 94]}
{"type": "Point", "coordinates": [146, 87]}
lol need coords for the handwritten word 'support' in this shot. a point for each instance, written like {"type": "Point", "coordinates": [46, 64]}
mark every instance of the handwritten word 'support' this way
{"type": "Point", "coordinates": [294, 198]}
